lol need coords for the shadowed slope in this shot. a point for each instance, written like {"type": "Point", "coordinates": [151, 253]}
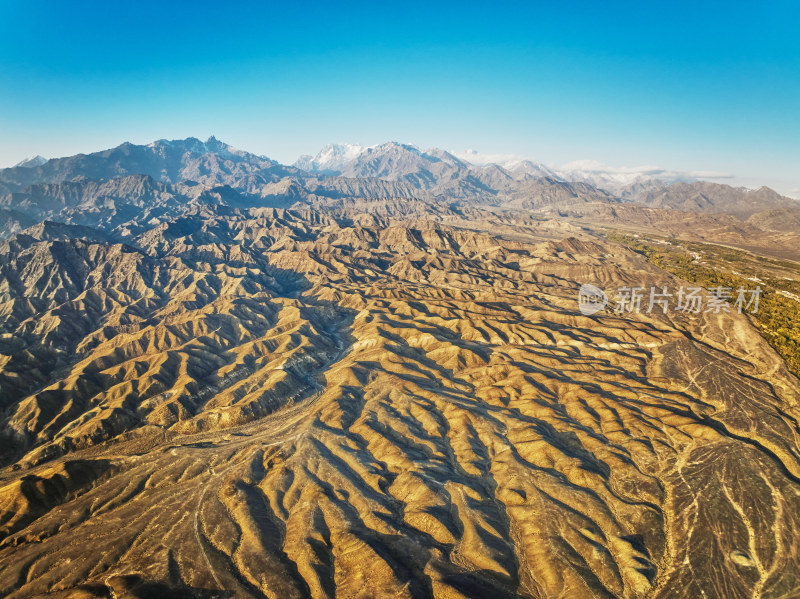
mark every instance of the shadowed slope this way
{"type": "Point", "coordinates": [302, 407]}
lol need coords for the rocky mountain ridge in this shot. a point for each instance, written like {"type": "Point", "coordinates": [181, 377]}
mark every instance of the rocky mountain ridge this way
{"type": "Point", "coordinates": [227, 377]}
{"type": "Point", "coordinates": [377, 172]}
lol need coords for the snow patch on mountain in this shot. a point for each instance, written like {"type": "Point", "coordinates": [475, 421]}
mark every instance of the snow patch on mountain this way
{"type": "Point", "coordinates": [332, 158]}
{"type": "Point", "coordinates": [32, 162]}
{"type": "Point", "coordinates": [614, 179]}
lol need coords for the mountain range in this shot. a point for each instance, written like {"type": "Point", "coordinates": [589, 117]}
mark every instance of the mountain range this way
{"type": "Point", "coordinates": [367, 375]}
{"type": "Point", "coordinates": [336, 159]}
{"type": "Point", "coordinates": [116, 185]}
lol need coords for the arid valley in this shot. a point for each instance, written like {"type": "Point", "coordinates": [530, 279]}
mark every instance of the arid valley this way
{"type": "Point", "coordinates": [221, 376]}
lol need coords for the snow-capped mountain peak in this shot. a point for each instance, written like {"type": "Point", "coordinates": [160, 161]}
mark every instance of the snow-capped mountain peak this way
{"type": "Point", "coordinates": [517, 166]}
{"type": "Point", "coordinates": [32, 162]}
{"type": "Point", "coordinates": [331, 158]}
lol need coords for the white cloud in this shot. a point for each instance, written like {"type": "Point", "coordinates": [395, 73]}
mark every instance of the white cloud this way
{"type": "Point", "coordinates": [647, 172]}
{"type": "Point", "coordinates": [482, 158]}
{"type": "Point", "coordinates": [612, 178]}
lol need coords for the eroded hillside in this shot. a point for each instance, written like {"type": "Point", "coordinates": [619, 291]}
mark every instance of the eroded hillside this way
{"type": "Point", "coordinates": [289, 404]}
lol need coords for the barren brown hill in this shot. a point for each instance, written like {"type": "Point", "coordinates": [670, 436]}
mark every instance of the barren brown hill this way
{"type": "Point", "coordinates": [290, 404]}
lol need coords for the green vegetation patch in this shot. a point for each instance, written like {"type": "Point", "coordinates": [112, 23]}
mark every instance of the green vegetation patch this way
{"type": "Point", "coordinates": [709, 266]}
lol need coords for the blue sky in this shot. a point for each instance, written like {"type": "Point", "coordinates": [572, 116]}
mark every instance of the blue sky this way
{"type": "Point", "coordinates": [711, 86]}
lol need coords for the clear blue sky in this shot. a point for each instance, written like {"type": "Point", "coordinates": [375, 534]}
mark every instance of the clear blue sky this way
{"type": "Point", "coordinates": [682, 85]}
